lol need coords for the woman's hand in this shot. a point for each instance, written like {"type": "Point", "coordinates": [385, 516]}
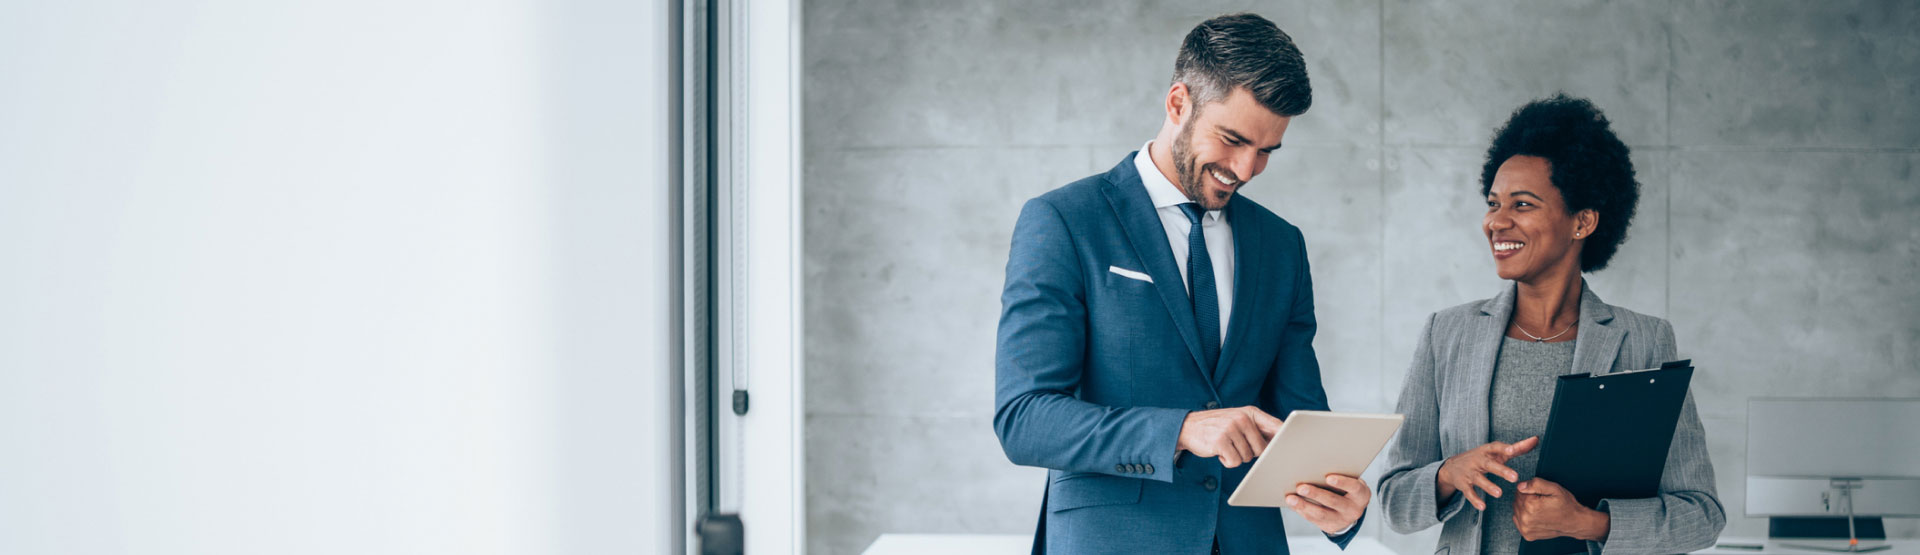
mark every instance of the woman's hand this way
{"type": "Point", "coordinates": [1465, 471]}
{"type": "Point", "coordinates": [1545, 510]}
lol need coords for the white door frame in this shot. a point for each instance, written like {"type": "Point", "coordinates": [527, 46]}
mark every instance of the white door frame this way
{"type": "Point", "coordinates": [773, 477]}
{"type": "Point", "coordinates": [760, 462]}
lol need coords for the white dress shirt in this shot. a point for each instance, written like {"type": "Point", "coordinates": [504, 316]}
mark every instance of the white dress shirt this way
{"type": "Point", "coordinates": [1167, 199]}
{"type": "Point", "coordinates": [1166, 202]}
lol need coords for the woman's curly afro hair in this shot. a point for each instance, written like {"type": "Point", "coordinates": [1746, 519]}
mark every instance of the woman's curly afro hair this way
{"type": "Point", "coordinates": [1590, 166]}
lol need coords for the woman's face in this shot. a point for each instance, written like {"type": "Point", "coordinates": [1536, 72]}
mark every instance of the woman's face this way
{"type": "Point", "coordinates": [1527, 224]}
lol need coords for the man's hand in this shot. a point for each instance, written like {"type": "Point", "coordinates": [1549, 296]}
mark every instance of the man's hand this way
{"type": "Point", "coordinates": [1544, 510]}
{"type": "Point", "coordinates": [1468, 470]}
{"type": "Point", "coordinates": [1332, 511]}
{"type": "Point", "coordinates": [1236, 435]}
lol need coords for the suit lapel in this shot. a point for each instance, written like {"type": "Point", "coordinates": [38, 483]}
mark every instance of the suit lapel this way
{"type": "Point", "coordinates": [1597, 343]}
{"type": "Point", "coordinates": [1594, 349]}
{"type": "Point", "coordinates": [1128, 198]}
{"type": "Point", "coordinates": [1249, 265]}
{"type": "Point", "coordinates": [1485, 339]}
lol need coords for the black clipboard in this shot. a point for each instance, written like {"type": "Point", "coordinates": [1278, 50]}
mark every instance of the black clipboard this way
{"type": "Point", "coordinates": [1607, 438]}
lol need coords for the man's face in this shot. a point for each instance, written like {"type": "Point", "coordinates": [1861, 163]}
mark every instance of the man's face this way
{"type": "Point", "coordinates": [1223, 145]}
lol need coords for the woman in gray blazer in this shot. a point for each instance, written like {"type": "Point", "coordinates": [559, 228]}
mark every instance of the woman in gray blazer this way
{"type": "Point", "coordinates": [1560, 194]}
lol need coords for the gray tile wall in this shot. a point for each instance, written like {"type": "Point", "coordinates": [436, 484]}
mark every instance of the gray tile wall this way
{"type": "Point", "coordinates": [1776, 141]}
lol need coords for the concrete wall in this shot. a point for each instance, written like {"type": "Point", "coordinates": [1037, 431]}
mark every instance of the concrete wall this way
{"type": "Point", "coordinates": [1776, 142]}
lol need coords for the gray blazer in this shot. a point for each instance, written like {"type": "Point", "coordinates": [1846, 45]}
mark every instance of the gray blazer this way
{"type": "Point", "coordinates": [1445, 401]}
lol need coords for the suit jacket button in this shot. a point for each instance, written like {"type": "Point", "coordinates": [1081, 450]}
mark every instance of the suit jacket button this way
{"type": "Point", "coordinates": [1147, 469]}
{"type": "Point", "coordinates": [1120, 468]}
{"type": "Point", "coordinates": [1213, 405]}
{"type": "Point", "coordinates": [1210, 483]}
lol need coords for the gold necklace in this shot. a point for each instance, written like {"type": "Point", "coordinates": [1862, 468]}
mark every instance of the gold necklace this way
{"type": "Point", "coordinates": [1538, 339]}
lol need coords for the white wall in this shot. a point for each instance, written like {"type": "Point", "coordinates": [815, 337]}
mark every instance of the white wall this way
{"type": "Point", "coordinates": [334, 277]}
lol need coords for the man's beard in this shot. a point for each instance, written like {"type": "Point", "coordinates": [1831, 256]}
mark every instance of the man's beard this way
{"type": "Point", "coordinates": [1184, 168]}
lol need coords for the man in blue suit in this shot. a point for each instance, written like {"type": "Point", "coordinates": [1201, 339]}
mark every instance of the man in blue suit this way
{"type": "Point", "coordinates": [1153, 322]}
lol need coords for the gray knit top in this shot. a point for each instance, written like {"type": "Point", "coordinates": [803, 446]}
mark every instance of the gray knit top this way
{"type": "Point", "coordinates": [1523, 381]}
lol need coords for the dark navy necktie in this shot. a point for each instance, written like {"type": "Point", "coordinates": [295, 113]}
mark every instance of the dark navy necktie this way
{"type": "Point", "coordinates": [1200, 287]}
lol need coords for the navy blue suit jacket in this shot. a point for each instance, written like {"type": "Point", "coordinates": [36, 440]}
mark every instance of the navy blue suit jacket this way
{"type": "Point", "coordinates": [1096, 371]}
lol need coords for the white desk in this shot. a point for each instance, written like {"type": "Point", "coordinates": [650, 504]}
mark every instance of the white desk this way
{"type": "Point", "coordinates": [952, 544]}
{"type": "Point", "coordinates": [1774, 547]}
{"type": "Point", "coordinates": [1021, 544]}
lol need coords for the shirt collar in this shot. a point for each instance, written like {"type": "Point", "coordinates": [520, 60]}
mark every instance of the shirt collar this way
{"type": "Point", "coordinates": [1163, 193]}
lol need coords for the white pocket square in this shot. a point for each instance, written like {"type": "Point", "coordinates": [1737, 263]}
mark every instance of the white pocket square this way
{"type": "Point", "coordinates": [1130, 273]}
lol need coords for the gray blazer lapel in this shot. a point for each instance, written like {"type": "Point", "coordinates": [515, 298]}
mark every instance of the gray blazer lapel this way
{"type": "Point", "coordinates": [1598, 342]}
{"type": "Point", "coordinates": [1249, 263]}
{"type": "Point", "coordinates": [1484, 337]}
{"type": "Point", "coordinates": [1128, 198]}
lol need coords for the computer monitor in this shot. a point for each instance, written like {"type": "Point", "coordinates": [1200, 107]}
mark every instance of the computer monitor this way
{"type": "Point", "coordinates": [1811, 461]}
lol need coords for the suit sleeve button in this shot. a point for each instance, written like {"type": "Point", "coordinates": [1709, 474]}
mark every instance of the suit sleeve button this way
{"type": "Point", "coordinates": [1120, 468]}
{"type": "Point", "coordinates": [1213, 405]}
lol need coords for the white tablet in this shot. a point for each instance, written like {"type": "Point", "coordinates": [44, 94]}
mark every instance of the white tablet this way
{"type": "Point", "coordinates": [1310, 445]}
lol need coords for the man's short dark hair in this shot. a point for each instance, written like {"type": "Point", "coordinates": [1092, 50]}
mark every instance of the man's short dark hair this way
{"type": "Point", "coordinates": [1244, 50]}
{"type": "Point", "coordinates": [1590, 166]}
